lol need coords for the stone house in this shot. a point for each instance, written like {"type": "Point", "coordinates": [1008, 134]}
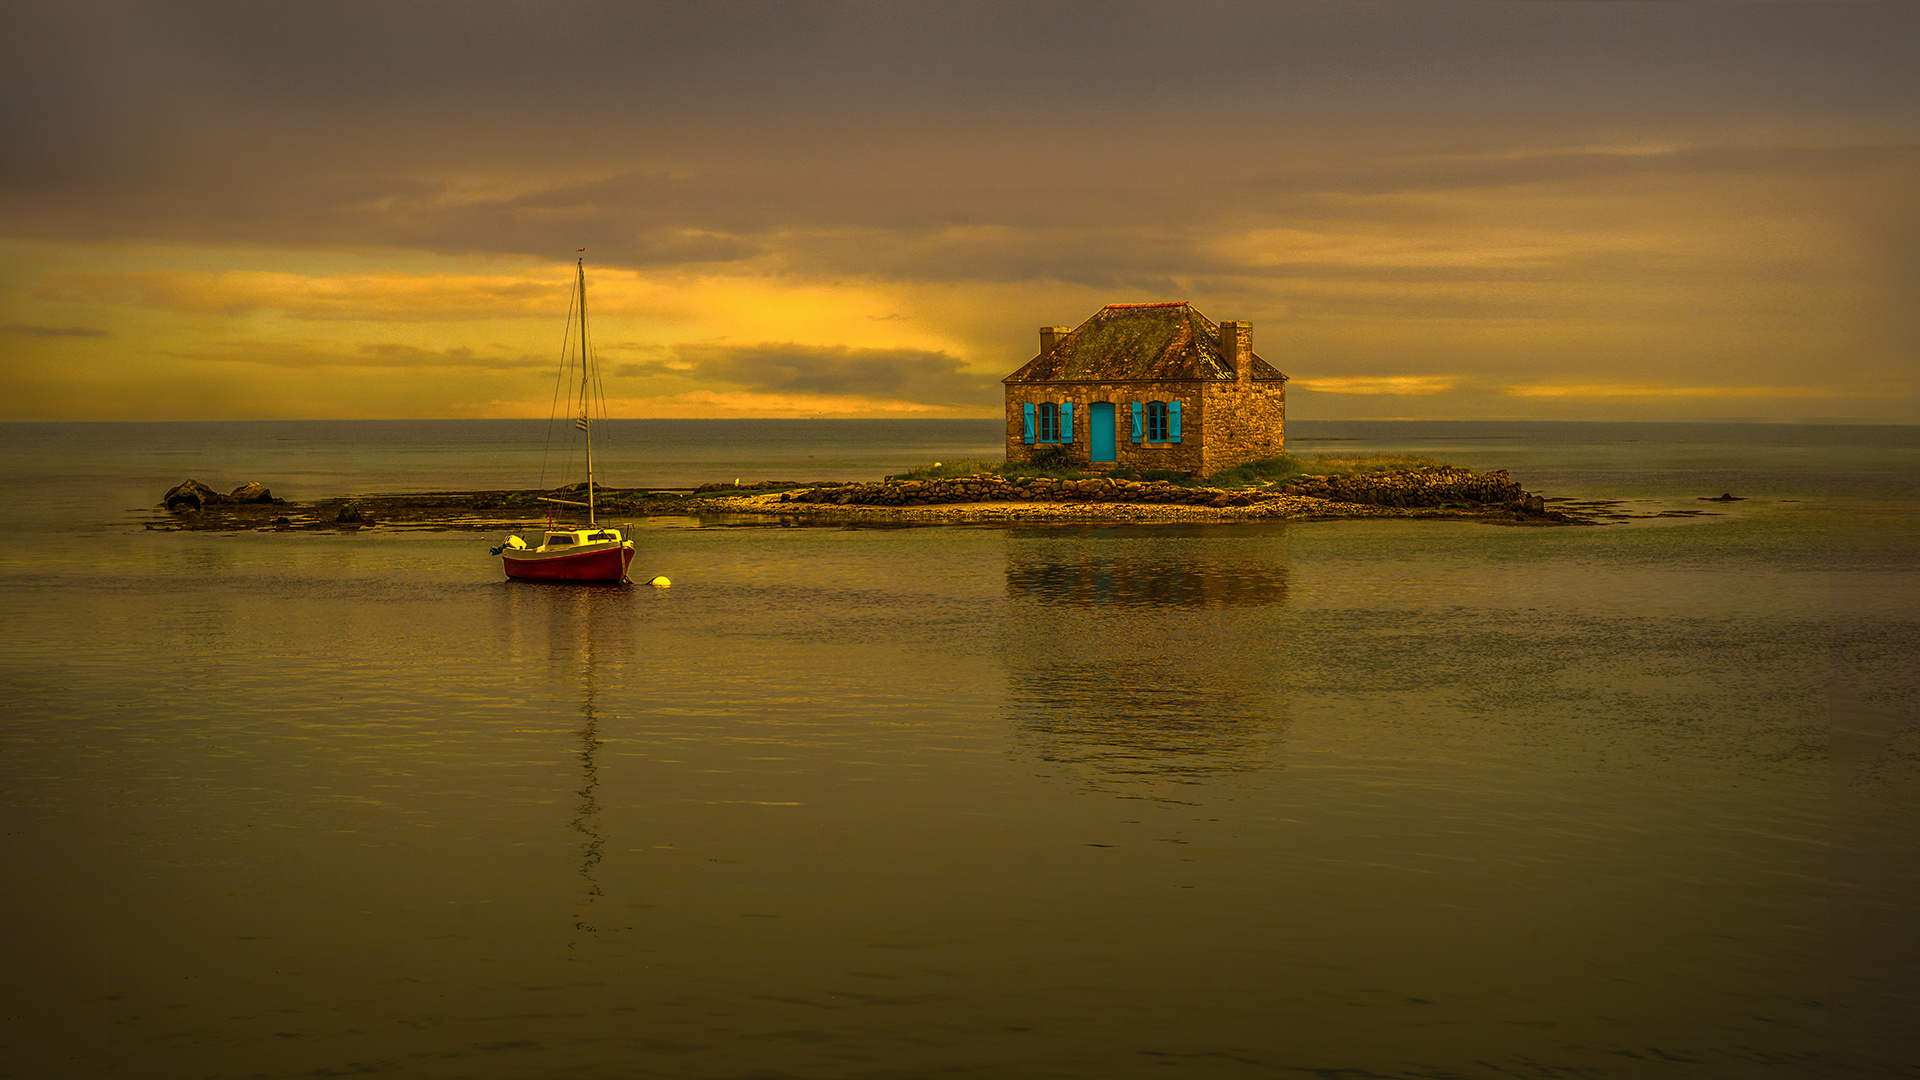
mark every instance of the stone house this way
{"type": "Point", "coordinates": [1147, 386]}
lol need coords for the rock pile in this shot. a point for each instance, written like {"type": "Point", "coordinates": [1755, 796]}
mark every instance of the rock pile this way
{"type": "Point", "coordinates": [1438, 486]}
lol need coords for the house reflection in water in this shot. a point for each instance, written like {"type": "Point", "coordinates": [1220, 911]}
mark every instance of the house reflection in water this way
{"type": "Point", "coordinates": [1147, 655]}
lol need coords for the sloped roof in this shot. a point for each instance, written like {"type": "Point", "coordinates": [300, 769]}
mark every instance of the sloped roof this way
{"type": "Point", "coordinates": [1135, 342]}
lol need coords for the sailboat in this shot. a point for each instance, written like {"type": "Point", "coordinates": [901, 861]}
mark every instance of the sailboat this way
{"type": "Point", "coordinates": [592, 554]}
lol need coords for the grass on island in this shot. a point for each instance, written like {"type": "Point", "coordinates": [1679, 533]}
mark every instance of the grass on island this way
{"type": "Point", "coordinates": [1282, 470]}
{"type": "Point", "coordinates": [1268, 472]}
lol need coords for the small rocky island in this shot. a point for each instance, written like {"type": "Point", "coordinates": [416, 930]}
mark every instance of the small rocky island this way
{"type": "Point", "coordinates": [1439, 492]}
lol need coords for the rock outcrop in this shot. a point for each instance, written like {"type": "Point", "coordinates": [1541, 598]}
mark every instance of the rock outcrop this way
{"type": "Point", "coordinates": [189, 496]}
{"type": "Point", "coordinates": [252, 493]}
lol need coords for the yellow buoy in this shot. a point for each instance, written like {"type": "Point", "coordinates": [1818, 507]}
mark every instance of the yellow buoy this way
{"type": "Point", "coordinates": [661, 581]}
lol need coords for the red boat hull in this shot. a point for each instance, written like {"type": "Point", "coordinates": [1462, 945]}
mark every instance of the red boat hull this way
{"type": "Point", "coordinates": [602, 564]}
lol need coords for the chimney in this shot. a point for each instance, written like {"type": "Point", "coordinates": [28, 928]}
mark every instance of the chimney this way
{"type": "Point", "coordinates": [1236, 348]}
{"type": "Point", "coordinates": [1050, 336]}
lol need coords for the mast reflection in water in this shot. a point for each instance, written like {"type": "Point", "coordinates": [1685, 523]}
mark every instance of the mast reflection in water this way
{"type": "Point", "coordinates": [587, 629]}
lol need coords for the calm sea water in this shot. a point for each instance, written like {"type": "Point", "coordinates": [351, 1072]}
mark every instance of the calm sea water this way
{"type": "Point", "coordinates": [1345, 799]}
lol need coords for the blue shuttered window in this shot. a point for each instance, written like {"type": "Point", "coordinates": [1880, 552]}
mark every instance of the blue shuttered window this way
{"type": "Point", "coordinates": [1156, 421]}
{"type": "Point", "coordinates": [1048, 423]}
{"type": "Point", "coordinates": [1026, 425]}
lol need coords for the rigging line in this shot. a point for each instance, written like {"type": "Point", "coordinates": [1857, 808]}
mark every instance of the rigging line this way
{"type": "Point", "coordinates": [598, 389]}
{"type": "Point", "coordinates": [599, 383]}
{"type": "Point", "coordinates": [579, 433]}
{"type": "Point", "coordinates": [592, 384]}
{"type": "Point", "coordinates": [560, 380]}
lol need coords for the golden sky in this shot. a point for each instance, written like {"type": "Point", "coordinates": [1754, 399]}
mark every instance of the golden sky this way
{"type": "Point", "coordinates": [1657, 209]}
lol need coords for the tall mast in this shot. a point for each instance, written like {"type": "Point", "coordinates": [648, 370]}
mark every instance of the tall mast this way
{"type": "Point", "coordinates": [586, 384]}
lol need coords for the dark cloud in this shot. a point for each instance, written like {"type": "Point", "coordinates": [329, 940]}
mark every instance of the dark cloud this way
{"type": "Point", "coordinates": [670, 68]}
{"type": "Point", "coordinates": [1477, 171]}
{"type": "Point", "coordinates": [932, 378]}
{"type": "Point", "coordinates": [708, 131]}
{"type": "Point", "coordinates": [1110, 231]}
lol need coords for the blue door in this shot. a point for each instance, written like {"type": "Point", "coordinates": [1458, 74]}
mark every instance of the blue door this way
{"type": "Point", "coordinates": [1100, 432]}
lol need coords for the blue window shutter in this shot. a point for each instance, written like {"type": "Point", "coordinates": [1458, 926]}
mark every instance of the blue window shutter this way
{"type": "Point", "coordinates": [1136, 421]}
{"type": "Point", "coordinates": [1066, 421]}
{"type": "Point", "coordinates": [1173, 421]}
{"type": "Point", "coordinates": [1026, 428]}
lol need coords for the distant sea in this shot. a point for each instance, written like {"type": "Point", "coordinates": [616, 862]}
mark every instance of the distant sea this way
{"type": "Point", "coordinates": [1343, 799]}
{"type": "Point", "coordinates": [330, 458]}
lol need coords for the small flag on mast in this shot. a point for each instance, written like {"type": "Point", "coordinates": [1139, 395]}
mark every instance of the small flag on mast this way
{"type": "Point", "coordinates": [582, 422]}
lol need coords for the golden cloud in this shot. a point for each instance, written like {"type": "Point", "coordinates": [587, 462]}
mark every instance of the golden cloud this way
{"type": "Point", "coordinates": [1615, 391]}
{"type": "Point", "coordinates": [1379, 384]}
{"type": "Point", "coordinates": [289, 355]}
{"type": "Point", "coordinates": [745, 403]}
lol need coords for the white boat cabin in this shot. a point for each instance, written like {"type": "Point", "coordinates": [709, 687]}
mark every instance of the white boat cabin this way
{"type": "Point", "coordinates": [582, 536]}
{"type": "Point", "coordinates": [572, 538]}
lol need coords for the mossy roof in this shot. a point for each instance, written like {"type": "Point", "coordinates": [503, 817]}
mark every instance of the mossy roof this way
{"type": "Point", "coordinates": [1139, 342]}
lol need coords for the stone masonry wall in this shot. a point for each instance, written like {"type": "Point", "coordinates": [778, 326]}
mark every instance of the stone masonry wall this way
{"type": "Point", "coordinates": [1183, 456]}
{"type": "Point", "coordinates": [1243, 421]}
{"type": "Point", "coordinates": [1223, 424]}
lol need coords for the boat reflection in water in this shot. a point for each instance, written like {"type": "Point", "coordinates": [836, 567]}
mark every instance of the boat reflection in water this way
{"type": "Point", "coordinates": [584, 630]}
{"type": "Point", "coordinates": [1136, 656]}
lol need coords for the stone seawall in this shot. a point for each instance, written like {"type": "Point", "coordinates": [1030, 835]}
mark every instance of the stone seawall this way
{"type": "Point", "coordinates": [995, 489]}
{"type": "Point", "coordinates": [1435, 487]}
